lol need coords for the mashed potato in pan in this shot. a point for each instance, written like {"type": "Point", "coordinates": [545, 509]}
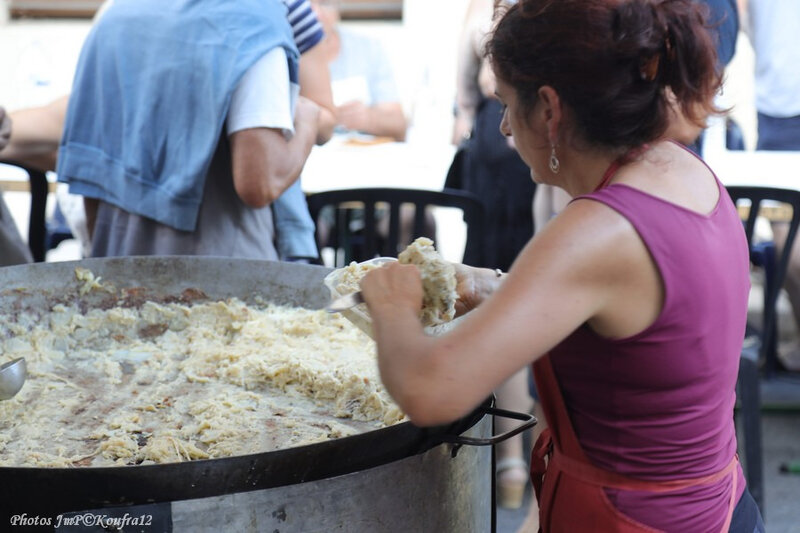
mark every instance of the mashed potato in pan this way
{"type": "Point", "coordinates": [165, 382]}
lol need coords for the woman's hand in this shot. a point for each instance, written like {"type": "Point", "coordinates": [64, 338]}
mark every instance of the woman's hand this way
{"type": "Point", "coordinates": [392, 287]}
{"type": "Point", "coordinates": [465, 286]}
{"type": "Point", "coordinates": [473, 286]}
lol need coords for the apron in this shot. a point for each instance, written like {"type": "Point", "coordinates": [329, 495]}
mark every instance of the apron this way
{"type": "Point", "coordinates": [569, 488]}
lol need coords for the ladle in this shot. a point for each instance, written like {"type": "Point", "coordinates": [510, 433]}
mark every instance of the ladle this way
{"type": "Point", "coordinates": [12, 377]}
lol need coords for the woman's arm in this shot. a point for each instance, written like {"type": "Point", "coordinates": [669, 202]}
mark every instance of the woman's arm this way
{"type": "Point", "coordinates": [565, 277]}
{"type": "Point", "coordinates": [474, 285]}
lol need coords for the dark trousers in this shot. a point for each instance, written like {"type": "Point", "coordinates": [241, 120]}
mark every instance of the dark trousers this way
{"type": "Point", "coordinates": [746, 516]}
{"type": "Point", "coordinates": [778, 133]}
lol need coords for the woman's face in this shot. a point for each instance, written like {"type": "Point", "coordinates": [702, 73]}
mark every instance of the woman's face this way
{"type": "Point", "coordinates": [530, 141]}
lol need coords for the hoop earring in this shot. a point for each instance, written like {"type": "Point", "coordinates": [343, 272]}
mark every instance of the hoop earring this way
{"type": "Point", "coordinates": [555, 164]}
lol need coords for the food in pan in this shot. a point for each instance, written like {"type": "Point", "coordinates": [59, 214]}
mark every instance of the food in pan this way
{"type": "Point", "coordinates": [154, 382]}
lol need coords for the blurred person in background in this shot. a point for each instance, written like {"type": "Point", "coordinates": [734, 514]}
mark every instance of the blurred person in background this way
{"type": "Point", "coordinates": [631, 303]}
{"type": "Point", "coordinates": [487, 165]}
{"type": "Point", "coordinates": [37, 130]}
{"type": "Point", "coordinates": [364, 87]}
{"type": "Point", "coordinates": [773, 27]}
{"type": "Point", "coordinates": [13, 249]}
{"type": "Point", "coordinates": [723, 21]}
{"type": "Point", "coordinates": [35, 141]}
{"type": "Point", "coordinates": [202, 139]}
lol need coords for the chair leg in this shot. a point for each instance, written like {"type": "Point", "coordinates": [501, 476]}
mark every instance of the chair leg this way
{"type": "Point", "coordinates": [750, 400]}
{"type": "Point", "coordinates": [771, 290]}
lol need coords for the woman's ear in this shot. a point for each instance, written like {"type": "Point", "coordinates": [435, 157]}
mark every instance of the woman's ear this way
{"type": "Point", "coordinates": [552, 113]}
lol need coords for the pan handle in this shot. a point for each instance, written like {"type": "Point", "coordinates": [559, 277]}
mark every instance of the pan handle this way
{"type": "Point", "coordinates": [528, 421]}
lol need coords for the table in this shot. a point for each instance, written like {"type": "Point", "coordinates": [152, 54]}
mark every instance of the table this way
{"type": "Point", "coordinates": [352, 161]}
{"type": "Point", "coordinates": [751, 168]}
{"type": "Point", "coordinates": [15, 179]}
{"type": "Point", "coordinates": [760, 168]}
{"type": "Point", "coordinates": [757, 168]}
{"type": "Point", "coordinates": [780, 170]}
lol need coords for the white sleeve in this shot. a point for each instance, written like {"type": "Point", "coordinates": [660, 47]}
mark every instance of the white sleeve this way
{"type": "Point", "coordinates": [263, 97]}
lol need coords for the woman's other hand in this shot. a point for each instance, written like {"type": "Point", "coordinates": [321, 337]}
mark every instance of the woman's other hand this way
{"type": "Point", "coordinates": [473, 286]}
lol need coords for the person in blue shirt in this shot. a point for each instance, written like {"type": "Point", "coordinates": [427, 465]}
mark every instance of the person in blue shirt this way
{"type": "Point", "coordinates": [38, 132]}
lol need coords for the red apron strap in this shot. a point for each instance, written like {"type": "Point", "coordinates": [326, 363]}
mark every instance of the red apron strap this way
{"type": "Point", "coordinates": [540, 454]}
{"type": "Point", "coordinates": [555, 411]}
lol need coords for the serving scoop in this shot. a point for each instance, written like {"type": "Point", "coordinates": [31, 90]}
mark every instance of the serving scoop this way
{"type": "Point", "coordinates": [12, 377]}
{"type": "Point", "coordinates": [345, 302]}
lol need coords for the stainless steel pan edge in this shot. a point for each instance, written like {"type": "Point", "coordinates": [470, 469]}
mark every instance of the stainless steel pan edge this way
{"type": "Point", "coordinates": [37, 285]}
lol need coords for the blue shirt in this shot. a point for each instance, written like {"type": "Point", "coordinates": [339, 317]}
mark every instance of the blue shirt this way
{"type": "Point", "coordinates": [150, 96]}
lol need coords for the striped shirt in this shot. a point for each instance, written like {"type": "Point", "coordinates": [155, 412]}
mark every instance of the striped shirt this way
{"type": "Point", "coordinates": [307, 30]}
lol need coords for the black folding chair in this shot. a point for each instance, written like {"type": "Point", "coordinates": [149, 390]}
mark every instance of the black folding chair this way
{"type": "Point", "coordinates": [759, 351]}
{"type": "Point", "coordinates": [37, 224]}
{"type": "Point", "coordinates": [351, 225]}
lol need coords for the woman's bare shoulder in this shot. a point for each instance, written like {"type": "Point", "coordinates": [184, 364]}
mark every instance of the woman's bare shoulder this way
{"type": "Point", "coordinates": [588, 239]}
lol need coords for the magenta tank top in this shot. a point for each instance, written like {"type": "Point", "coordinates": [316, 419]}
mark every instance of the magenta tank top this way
{"type": "Point", "coordinates": [659, 405]}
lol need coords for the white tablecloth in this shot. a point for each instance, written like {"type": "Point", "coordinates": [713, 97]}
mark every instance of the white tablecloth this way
{"type": "Point", "coordinates": [350, 162]}
{"type": "Point", "coordinates": [761, 168]}
{"type": "Point", "coordinates": [752, 168]}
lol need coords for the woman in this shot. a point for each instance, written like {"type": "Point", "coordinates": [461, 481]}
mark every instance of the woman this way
{"type": "Point", "coordinates": [631, 302]}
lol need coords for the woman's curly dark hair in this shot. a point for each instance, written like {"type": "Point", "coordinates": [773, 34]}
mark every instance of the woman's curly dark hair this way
{"type": "Point", "coordinates": [617, 64]}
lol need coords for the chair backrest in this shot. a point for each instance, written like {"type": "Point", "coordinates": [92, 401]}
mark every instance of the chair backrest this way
{"type": "Point", "coordinates": [37, 226]}
{"type": "Point", "coordinates": [776, 205]}
{"type": "Point", "coordinates": [356, 225]}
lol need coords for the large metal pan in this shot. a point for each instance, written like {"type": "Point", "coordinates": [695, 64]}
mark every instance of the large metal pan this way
{"type": "Point", "coordinates": [51, 491]}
